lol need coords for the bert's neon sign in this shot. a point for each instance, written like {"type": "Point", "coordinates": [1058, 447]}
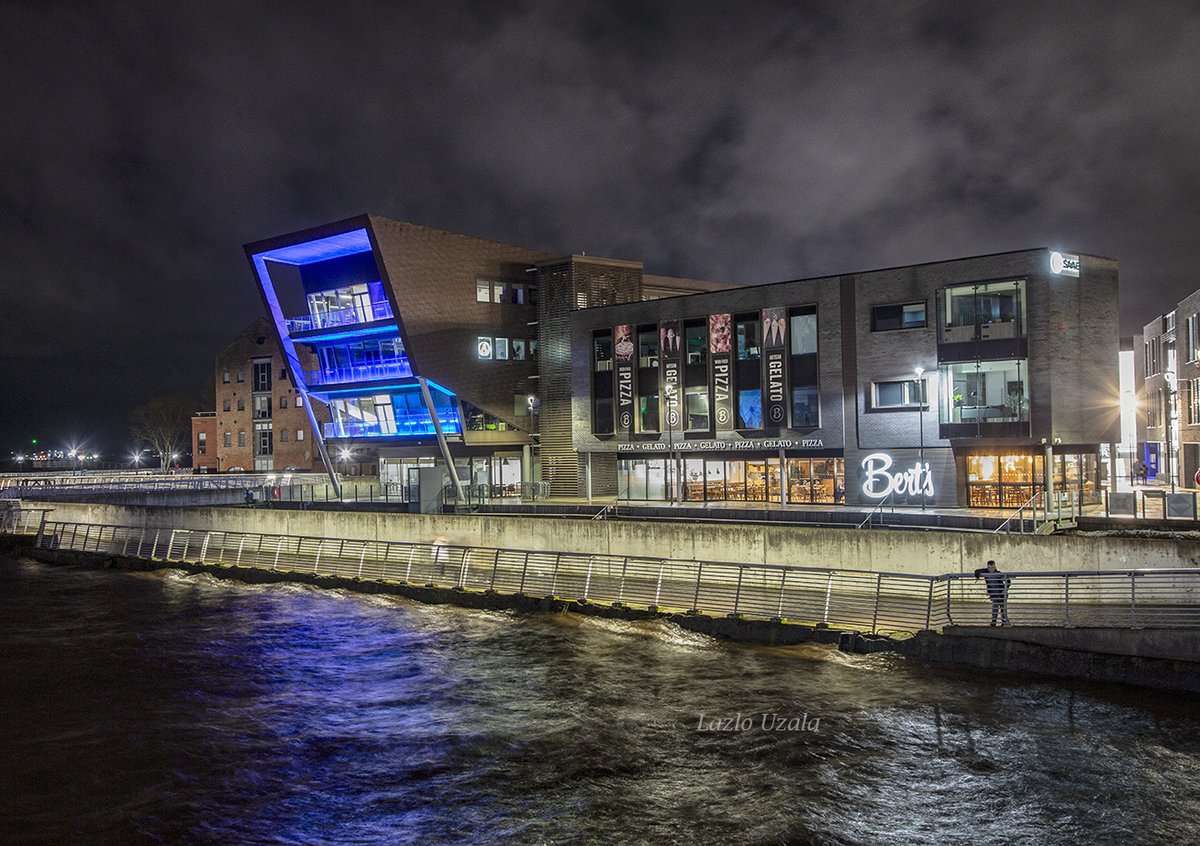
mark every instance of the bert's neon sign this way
{"type": "Point", "coordinates": [879, 482]}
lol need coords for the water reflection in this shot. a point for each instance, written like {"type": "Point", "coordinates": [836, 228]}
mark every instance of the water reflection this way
{"type": "Point", "coordinates": [170, 708]}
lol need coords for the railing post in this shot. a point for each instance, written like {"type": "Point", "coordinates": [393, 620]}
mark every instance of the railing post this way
{"type": "Point", "coordinates": [495, 564]}
{"type": "Point", "coordinates": [554, 574]}
{"type": "Point", "coordinates": [462, 573]}
{"type": "Point", "coordinates": [621, 589]}
{"type": "Point", "coordinates": [658, 588]}
{"type": "Point", "coordinates": [1067, 599]}
{"type": "Point", "coordinates": [524, 570]}
{"type": "Point", "coordinates": [1133, 600]}
{"type": "Point", "coordinates": [929, 603]}
{"type": "Point", "coordinates": [828, 596]}
{"type": "Point", "coordinates": [154, 548]}
{"type": "Point", "coordinates": [587, 582]}
{"type": "Point", "coordinates": [696, 595]}
{"type": "Point", "coordinates": [782, 582]}
{"type": "Point", "coordinates": [875, 612]}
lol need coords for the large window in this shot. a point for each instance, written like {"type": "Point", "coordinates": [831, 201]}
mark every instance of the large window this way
{"type": "Point", "coordinates": [648, 416]}
{"type": "Point", "coordinates": [747, 330]}
{"type": "Point", "coordinates": [885, 318]}
{"type": "Point", "coordinates": [983, 392]}
{"type": "Point", "coordinates": [602, 383]}
{"type": "Point", "coordinates": [750, 409]}
{"type": "Point", "coordinates": [262, 376]}
{"type": "Point", "coordinates": [805, 370]}
{"type": "Point", "coordinates": [990, 311]}
{"type": "Point", "coordinates": [696, 409]}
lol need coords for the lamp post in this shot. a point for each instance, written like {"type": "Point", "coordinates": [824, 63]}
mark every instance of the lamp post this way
{"type": "Point", "coordinates": [920, 371]}
{"type": "Point", "coordinates": [1168, 425]}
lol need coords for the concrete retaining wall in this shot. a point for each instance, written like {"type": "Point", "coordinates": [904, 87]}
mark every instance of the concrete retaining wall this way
{"type": "Point", "coordinates": [926, 552]}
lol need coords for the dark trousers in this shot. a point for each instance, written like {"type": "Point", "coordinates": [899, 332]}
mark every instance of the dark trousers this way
{"type": "Point", "coordinates": [999, 606]}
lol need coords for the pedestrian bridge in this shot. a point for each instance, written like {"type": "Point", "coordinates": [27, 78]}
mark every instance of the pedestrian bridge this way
{"type": "Point", "coordinates": [867, 601]}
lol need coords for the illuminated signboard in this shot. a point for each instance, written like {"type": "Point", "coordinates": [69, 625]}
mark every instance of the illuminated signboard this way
{"type": "Point", "coordinates": [1064, 265]}
{"type": "Point", "coordinates": [879, 481]}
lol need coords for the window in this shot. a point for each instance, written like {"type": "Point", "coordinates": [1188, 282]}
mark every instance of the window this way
{"type": "Point", "coordinates": [483, 291]}
{"type": "Point", "coordinates": [990, 311]}
{"type": "Point", "coordinates": [484, 347]}
{"type": "Point", "coordinates": [299, 400]}
{"type": "Point", "coordinates": [885, 318]}
{"type": "Point", "coordinates": [695, 342]}
{"type": "Point", "coordinates": [648, 347]}
{"type": "Point", "coordinates": [518, 349]}
{"type": "Point", "coordinates": [983, 392]}
{"type": "Point", "coordinates": [283, 374]}
{"type": "Point", "coordinates": [229, 439]}
{"type": "Point", "coordinates": [225, 405]}
{"type": "Point", "coordinates": [518, 295]}
{"type": "Point", "coordinates": [749, 410]}
{"type": "Point", "coordinates": [602, 352]}
{"type": "Point", "coordinates": [262, 376]}
{"type": "Point", "coordinates": [225, 377]}
{"type": "Point", "coordinates": [695, 409]}
{"type": "Point", "coordinates": [241, 375]}
{"type": "Point", "coordinates": [502, 349]}
{"type": "Point", "coordinates": [804, 371]}
{"type": "Point", "coordinates": [906, 393]}
{"type": "Point", "coordinates": [202, 443]}
{"type": "Point", "coordinates": [747, 331]}
{"type": "Point", "coordinates": [498, 292]}
{"type": "Point", "coordinates": [241, 405]}
{"type": "Point", "coordinates": [283, 402]}
{"type": "Point", "coordinates": [1191, 339]}
{"type": "Point", "coordinates": [283, 436]}
{"type": "Point", "coordinates": [299, 434]}
{"type": "Point", "coordinates": [242, 438]}
{"type": "Point", "coordinates": [263, 443]}
{"type": "Point", "coordinates": [1151, 358]}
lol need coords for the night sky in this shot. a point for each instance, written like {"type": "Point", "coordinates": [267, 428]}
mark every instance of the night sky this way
{"type": "Point", "coordinates": [141, 144]}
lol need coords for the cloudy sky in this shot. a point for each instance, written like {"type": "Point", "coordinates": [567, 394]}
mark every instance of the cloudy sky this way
{"type": "Point", "coordinates": [143, 143]}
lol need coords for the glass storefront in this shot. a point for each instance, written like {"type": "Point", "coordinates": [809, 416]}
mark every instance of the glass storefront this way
{"type": "Point", "coordinates": [1009, 481]}
{"type": "Point", "coordinates": [807, 480]}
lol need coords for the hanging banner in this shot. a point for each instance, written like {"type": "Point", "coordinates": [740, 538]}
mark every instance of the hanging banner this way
{"type": "Point", "coordinates": [671, 346]}
{"type": "Point", "coordinates": [719, 349]}
{"type": "Point", "coordinates": [623, 350]}
{"type": "Point", "coordinates": [774, 376]}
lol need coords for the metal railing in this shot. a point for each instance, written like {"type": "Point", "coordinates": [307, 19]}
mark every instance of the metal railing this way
{"type": "Point", "coordinates": [475, 495]}
{"type": "Point", "coordinates": [856, 599]}
{"type": "Point", "coordinates": [15, 520]}
{"type": "Point", "coordinates": [878, 510]}
{"type": "Point", "coordinates": [84, 488]}
{"type": "Point", "coordinates": [401, 426]}
{"type": "Point", "coordinates": [348, 316]}
{"type": "Point", "coordinates": [398, 369]}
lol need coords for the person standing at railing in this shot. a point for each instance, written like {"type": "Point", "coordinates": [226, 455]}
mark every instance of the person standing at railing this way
{"type": "Point", "coordinates": [997, 587]}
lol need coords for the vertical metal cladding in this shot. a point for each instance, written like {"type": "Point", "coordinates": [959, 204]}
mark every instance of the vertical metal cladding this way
{"type": "Point", "coordinates": [722, 370]}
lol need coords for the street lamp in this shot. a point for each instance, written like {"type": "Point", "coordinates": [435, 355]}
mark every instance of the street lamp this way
{"type": "Point", "coordinates": [920, 371]}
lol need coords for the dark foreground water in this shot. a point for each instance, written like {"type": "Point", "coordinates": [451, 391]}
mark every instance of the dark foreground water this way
{"type": "Point", "coordinates": [165, 708]}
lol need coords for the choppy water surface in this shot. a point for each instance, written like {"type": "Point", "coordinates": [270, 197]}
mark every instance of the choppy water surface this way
{"type": "Point", "coordinates": [180, 709]}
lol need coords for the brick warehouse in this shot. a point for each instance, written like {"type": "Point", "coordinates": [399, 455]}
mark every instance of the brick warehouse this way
{"type": "Point", "coordinates": [260, 422]}
{"type": "Point", "coordinates": [512, 365]}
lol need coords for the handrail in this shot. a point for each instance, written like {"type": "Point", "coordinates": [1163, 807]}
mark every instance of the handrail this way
{"type": "Point", "coordinates": [879, 508]}
{"type": "Point", "coordinates": [612, 506]}
{"type": "Point", "coordinates": [856, 599]}
{"type": "Point", "coordinates": [1020, 510]}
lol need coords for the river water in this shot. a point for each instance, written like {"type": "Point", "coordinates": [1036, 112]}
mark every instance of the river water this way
{"type": "Point", "coordinates": [167, 708]}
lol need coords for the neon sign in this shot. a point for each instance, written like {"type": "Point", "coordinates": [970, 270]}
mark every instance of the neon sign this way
{"type": "Point", "coordinates": [878, 482]}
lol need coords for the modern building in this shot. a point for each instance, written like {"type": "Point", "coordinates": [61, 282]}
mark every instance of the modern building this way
{"type": "Point", "coordinates": [434, 348]}
{"type": "Point", "coordinates": [261, 422]}
{"type": "Point", "coordinates": [1167, 367]}
{"type": "Point", "coordinates": [950, 383]}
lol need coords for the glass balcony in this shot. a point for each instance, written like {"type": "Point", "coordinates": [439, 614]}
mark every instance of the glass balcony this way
{"type": "Point", "coordinates": [405, 426]}
{"type": "Point", "coordinates": [349, 316]}
{"type": "Point", "coordinates": [397, 369]}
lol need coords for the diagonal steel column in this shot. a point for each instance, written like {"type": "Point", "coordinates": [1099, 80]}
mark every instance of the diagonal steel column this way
{"type": "Point", "coordinates": [319, 436]}
{"type": "Point", "coordinates": [441, 439]}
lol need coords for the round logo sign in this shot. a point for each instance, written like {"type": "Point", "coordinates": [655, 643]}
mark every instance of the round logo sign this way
{"type": "Point", "coordinates": [626, 418]}
{"type": "Point", "coordinates": [722, 415]}
{"type": "Point", "coordinates": [673, 418]}
{"type": "Point", "coordinates": [776, 414]}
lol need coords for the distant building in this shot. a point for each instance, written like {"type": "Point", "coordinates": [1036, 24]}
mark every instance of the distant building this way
{"type": "Point", "coordinates": [261, 422]}
{"type": "Point", "coordinates": [1167, 367]}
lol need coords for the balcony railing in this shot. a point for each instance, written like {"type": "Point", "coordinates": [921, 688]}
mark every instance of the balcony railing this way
{"type": "Point", "coordinates": [398, 369]}
{"type": "Point", "coordinates": [405, 426]}
{"type": "Point", "coordinates": [348, 316]}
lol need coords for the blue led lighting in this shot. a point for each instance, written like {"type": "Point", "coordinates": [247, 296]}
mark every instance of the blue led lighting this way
{"type": "Point", "coordinates": [308, 252]}
{"type": "Point", "coordinates": [319, 336]}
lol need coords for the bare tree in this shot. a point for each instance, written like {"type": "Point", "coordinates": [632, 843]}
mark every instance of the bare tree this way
{"type": "Point", "coordinates": [165, 423]}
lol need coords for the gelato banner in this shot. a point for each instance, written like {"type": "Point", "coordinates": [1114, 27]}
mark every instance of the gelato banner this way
{"type": "Point", "coordinates": [623, 351]}
{"type": "Point", "coordinates": [774, 378]}
{"type": "Point", "coordinates": [671, 346]}
{"type": "Point", "coordinates": [719, 349]}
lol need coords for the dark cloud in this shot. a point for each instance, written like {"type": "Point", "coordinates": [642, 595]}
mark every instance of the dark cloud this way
{"type": "Point", "coordinates": [143, 143]}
